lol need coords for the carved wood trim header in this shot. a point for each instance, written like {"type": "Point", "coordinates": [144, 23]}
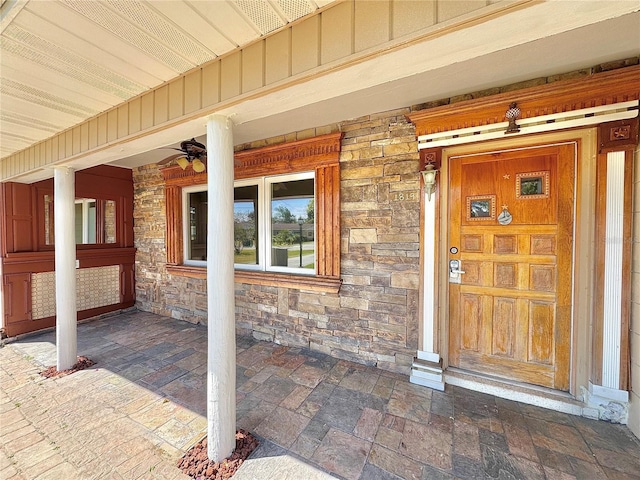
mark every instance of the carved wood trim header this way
{"type": "Point", "coordinates": [289, 157]}
{"type": "Point", "coordinates": [176, 177]}
{"type": "Point", "coordinates": [596, 90]}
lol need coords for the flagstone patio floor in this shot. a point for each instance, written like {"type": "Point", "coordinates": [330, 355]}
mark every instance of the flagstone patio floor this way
{"type": "Point", "coordinates": [143, 404]}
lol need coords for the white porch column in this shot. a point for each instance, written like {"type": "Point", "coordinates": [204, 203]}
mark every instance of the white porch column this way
{"type": "Point", "coordinates": [608, 397]}
{"type": "Point", "coordinates": [221, 365]}
{"type": "Point", "coordinates": [65, 266]}
{"type": "Point", "coordinates": [426, 369]}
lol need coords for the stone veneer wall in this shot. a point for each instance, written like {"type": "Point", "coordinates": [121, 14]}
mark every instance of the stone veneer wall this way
{"type": "Point", "coordinates": [157, 291]}
{"type": "Point", "coordinates": [374, 317]}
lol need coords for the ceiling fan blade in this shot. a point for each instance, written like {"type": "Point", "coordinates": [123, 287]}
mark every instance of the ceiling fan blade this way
{"type": "Point", "coordinates": [193, 146]}
{"type": "Point", "coordinates": [170, 158]}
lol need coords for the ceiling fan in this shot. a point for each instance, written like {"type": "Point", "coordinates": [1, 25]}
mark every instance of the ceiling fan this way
{"type": "Point", "coordinates": [191, 152]}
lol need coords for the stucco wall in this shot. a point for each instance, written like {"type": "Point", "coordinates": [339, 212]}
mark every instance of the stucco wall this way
{"type": "Point", "coordinates": [374, 317]}
{"type": "Point", "coordinates": [634, 334]}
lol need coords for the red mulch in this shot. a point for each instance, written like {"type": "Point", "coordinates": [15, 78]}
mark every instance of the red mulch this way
{"type": "Point", "coordinates": [81, 364]}
{"type": "Point", "coordinates": [197, 465]}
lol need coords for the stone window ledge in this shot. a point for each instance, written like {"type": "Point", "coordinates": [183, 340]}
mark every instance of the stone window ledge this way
{"type": "Point", "coordinates": [323, 284]}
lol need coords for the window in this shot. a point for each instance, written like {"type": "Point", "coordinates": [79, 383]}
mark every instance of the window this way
{"type": "Point", "coordinates": [292, 221]}
{"type": "Point", "coordinates": [532, 185]}
{"type": "Point", "coordinates": [246, 231]}
{"type": "Point", "coordinates": [85, 220]}
{"type": "Point", "coordinates": [95, 221]}
{"type": "Point", "coordinates": [286, 215]}
{"type": "Point", "coordinates": [195, 226]}
{"type": "Point", "coordinates": [274, 224]}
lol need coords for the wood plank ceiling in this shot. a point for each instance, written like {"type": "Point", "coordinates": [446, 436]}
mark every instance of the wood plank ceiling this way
{"type": "Point", "coordinates": [64, 61]}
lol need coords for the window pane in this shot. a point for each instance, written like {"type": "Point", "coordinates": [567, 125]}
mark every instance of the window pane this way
{"type": "Point", "coordinates": [293, 224]}
{"type": "Point", "coordinates": [110, 221]}
{"type": "Point", "coordinates": [91, 223]}
{"type": "Point", "coordinates": [85, 221]}
{"type": "Point", "coordinates": [245, 227]}
{"type": "Point", "coordinates": [90, 214]}
{"type": "Point", "coordinates": [197, 237]}
{"type": "Point", "coordinates": [78, 220]}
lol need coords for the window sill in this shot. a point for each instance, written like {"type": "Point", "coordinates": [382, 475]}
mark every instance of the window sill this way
{"type": "Point", "coordinates": [298, 282]}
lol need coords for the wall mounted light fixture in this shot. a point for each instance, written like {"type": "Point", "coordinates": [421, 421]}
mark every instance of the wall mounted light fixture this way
{"type": "Point", "coordinates": [429, 177]}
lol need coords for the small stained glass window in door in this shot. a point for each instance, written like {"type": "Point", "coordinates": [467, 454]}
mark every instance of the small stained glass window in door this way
{"type": "Point", "coordinates": [532, 185]}
{"type": "Point", "coordinates": [481, 207]}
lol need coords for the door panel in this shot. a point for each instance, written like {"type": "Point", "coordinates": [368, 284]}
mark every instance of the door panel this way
{"type": "Point", "coordinates": [510, 314]}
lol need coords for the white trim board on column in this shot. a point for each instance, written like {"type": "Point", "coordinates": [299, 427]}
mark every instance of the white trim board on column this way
{"type": "Point", "coordinates": [429, 261]}
{"type": "Point", "coordinates": [427, 376]}
{"type": "Point", "coordinates": [426, 369]}
{"type": "Point", "coordinates": [614, 232]}
{"type": "Point", "coordinates": [428, 356]}
{"type": "Point", "coordinates": [612, 403]}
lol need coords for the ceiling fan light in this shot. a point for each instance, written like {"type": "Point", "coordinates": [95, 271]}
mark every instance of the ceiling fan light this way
{"type": "Point", "coordinates": [183, 162]}
{"type": "Point", "coordinates": [198, 166]}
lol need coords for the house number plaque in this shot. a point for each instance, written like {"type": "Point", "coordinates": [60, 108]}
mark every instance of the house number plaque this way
{"type": "Point", "coordinates": [404, 196]}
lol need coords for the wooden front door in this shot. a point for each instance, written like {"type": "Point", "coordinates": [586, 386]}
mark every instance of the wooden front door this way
{"type": "Point", "coordinates": [511, 226]}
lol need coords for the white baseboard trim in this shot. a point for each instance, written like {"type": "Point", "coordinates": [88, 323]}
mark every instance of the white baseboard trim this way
{"type": "Point", "coordinates": [427, 374]}
{"type": "Point", "coordinates": [425, 382]}
{"type": "Point", "coordinates": [609, 393]}
{"type": "Point", "coordinates": [428, 356]}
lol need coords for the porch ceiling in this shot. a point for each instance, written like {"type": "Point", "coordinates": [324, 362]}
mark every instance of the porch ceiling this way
{"type": "Point", "coordinates": [64, 61]}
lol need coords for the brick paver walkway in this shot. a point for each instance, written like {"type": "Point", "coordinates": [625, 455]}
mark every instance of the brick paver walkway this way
{"type": "Point", "coordinates": [143, 404]}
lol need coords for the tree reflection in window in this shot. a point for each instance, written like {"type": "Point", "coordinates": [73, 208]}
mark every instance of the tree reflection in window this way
{"type": "Point", "coordinates": [245, 228]}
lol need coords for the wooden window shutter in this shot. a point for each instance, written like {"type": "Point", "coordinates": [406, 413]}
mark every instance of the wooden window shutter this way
{"type": "Point", "coordinates": [328, 220]}
{"type": "Point", "coordinates": [173, 196]}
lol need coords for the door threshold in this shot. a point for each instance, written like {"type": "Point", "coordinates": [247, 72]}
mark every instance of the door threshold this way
{"type": "Point", "coordinates": [518, 392]}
